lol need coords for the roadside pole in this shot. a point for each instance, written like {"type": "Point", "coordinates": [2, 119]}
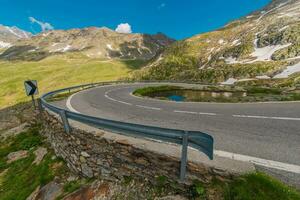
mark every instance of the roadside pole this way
{"type": "Point", "coordinates": [184, 152]}
{"type": "Point", "coordinates": [31, 89]}
{"type": "Point", "coordinates": [33, 102]}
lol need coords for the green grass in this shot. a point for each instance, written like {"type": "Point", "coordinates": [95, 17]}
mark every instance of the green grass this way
{"type": "Point", "coordinates": [258, 186]}
{"type": "Point", "coordinates": [57, 72]}
{"type": "Point", "coordinates": [264, 90]}
{"type": "Point", "coordinates": [61, 96]}
{"type": "Point", "coordinates": [72, 186]}
{"type": "Point", "coordinates": [24, 141]}
{"type": "Point", "coordinates": [21, 178]}
{"type": "Point", "coordinates": [252, 93]}
{"type": "Point", "coordinates": [197, 190]}
{"type": "Point", "coordinates": [150, 90]}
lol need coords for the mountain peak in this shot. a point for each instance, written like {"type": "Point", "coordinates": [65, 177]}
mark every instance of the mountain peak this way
{"type": "Point", "coordinates": [258, 45]}
{"type": "Point", "coordinates": [93, 42]}
{"type": "Point", "coordinates": [9, 35]}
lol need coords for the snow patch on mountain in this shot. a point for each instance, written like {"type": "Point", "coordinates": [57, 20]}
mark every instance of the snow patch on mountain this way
{"type": "Point", "coordinates": [229, 81]}
{"type": "Point", "coordinates": [289, 71]}
{"type": "Point", "coordinates": [17, 32]}
{"type": "Point", "coordinates": [67, 48]}
{"type": "Point", "coordinates": [221, 41]}
{"type": "Point", "coordinates": [264, 13]}
{"type": "Point", "coordinates": [283, 28]}
{"type": "Point", "coordinates": [231, 60]}
{"type": "Point", "coordinates": [13, 32]}
{"type": "Point", "coordinates": [263, 77]}
{"type": "Point", "coordinates": [265, 53]}
{"type": "Point", "coordinates": [291, 12]}
{"type": "Point", "coordinates": [109, 46]}
{"type": "Point", "coordinates": [4, 44]}
{"type": "Point", "coordinates": [62, 49]}
{"type": "Point", "coordinates": [236, 42]}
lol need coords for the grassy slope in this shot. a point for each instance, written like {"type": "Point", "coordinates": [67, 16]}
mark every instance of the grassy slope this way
{"type": "Point", "coordinates": [201, 57]}
{"type": "Point", "coordinates": [258, 186]}
{"type": "Point", "coordinates": [20, 178]}
{"type": "Point", "coordinates": [57, 72]}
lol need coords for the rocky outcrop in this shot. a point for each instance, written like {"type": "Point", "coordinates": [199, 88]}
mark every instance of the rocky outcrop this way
{"type": "Point", "coordinates": [49, 192]}
{"type": "Point", "coordinates": [90, 42]}
{"type": "Point", "coordinates": [10, 35]}
{"type": "Point", "coordinates": [39, 155]}
{"type": "Point", "coordinates": [14, 131]}
{"type": "Point", "coordinates": [14, 156]}
{"type": "Point", "coordinates": [95, 191]}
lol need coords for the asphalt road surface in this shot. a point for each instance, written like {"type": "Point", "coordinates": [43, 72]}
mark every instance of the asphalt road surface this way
{"type": "Point", "coordinates": [267, 134]}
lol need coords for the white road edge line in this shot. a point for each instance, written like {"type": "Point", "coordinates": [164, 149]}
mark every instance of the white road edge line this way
{"type": "Point", "coordinates": [239, 157]}
{"type": "Point", "coordinates": [259, 161]}
{"type": "Point", "coordinates": [148, 107]}
{"type": "Point", "coordinates": [186, 112]}
{"type": "Point", "coordinates": [195, 113]}
{"type": "Point", "coordinates": [203, 113]}
{"type": "Point", "coordinates": [123, 102]}
{"type": "Point", "coordinates": [69, 105]}
{"type": "Point", "coordinates": [266, 117]}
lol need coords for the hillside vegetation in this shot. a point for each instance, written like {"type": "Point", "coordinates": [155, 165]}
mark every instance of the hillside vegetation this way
{"type": "Point", "coordinates": [57, 72]}
{"type": "Point", "coordinates": [261, 45]}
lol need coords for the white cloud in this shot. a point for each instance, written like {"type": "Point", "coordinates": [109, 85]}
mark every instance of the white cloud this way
{"type": "Point", "coordinates": [124, 28]}
{"type": "Point", "coordinates": [44, 25]}
{"type": "Point", "coordinates": [162, 5]}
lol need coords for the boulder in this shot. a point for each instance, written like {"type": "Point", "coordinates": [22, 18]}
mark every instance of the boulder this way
{"type": "Point", "coordinates": [171, 197]}
{"type": "Point", "coordinates": [11, 157]}
{"type": "Point", "coordinates": [39, 155]}
{"type": "Point", "coordinates": [14, 131]}
{"type": "Point", "coordinates": [49, 192]}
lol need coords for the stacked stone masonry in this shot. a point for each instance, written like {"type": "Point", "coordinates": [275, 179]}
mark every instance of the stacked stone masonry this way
{"type": "Point", "coordinates": [92, 154]}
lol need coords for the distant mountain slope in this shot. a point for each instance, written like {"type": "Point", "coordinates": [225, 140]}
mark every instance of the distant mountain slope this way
{"type": "Point", "coordinates": [264, 44]}
{"type": "Point", "coordinates": [10, 35]}
{"type": "Point", "coordinates": [92, 42]}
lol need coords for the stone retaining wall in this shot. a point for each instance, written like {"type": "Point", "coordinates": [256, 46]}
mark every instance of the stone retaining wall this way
{"type": "Point", "coordinates": [92, 154]}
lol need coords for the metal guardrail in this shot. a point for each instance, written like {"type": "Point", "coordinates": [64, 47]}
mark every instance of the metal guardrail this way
{"type": "Point", "coordinates": [198, 140]}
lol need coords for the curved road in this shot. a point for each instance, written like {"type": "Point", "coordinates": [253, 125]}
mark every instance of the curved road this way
{"type": "Point", "coordinates": [267, 131]}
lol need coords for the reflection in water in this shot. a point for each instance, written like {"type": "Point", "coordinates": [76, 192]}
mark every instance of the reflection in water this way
{"type": "Point", "coordinates": [197, 95]}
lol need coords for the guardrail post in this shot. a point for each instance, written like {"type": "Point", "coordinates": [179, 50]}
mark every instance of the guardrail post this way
{"type": "Point", "coordinates": [65, 121]}
{"type": "Point", "coordinates": [184, 152]}
{"type": "Point", "coordinates": [40, 106]}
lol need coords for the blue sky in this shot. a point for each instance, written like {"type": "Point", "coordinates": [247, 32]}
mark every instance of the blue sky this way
{"type": "Point", "coordinates": [176, 18]}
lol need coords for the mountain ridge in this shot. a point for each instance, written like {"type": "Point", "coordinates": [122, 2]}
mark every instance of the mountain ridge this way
{"type": "Point", "coordinates": [10, 35]}
{"type": "Point", "coordinates": [264, 43]}
{"type": "Point", "coordinates": [93, 42]}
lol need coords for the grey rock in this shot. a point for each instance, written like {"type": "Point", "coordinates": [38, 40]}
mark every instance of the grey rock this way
{"type": "Point", "coordinates": [16, 156]}
{"type": "Point", "coordinates": [39, 155]}
{"type": "Point", "coordinates": [34, 194]}
{"type": "Point", "coordinates": [86, 170]}
{"type": "Point", "coordinates": [72, 178]}
{"type": "Point", "coordinates": [14, 131]}
{"type": "Point", "coordinates": [85, 154]}
{"type": "Point", "coordinates": [176, 197]}
{"type": "Point", "coordinates": [105, 172]}
{"type": "Point", "coordinates": [50, 191]}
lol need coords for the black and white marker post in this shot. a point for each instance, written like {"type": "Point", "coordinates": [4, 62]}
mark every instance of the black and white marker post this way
{"type": "Point", "coordinates": [31, 89]}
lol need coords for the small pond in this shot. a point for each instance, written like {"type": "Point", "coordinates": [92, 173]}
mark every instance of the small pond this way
{"type": "Point", "coordinates": [197, 95]}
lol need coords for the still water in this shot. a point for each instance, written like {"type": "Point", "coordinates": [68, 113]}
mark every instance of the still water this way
{"type": "Point", "coordinates": [197, 95]}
